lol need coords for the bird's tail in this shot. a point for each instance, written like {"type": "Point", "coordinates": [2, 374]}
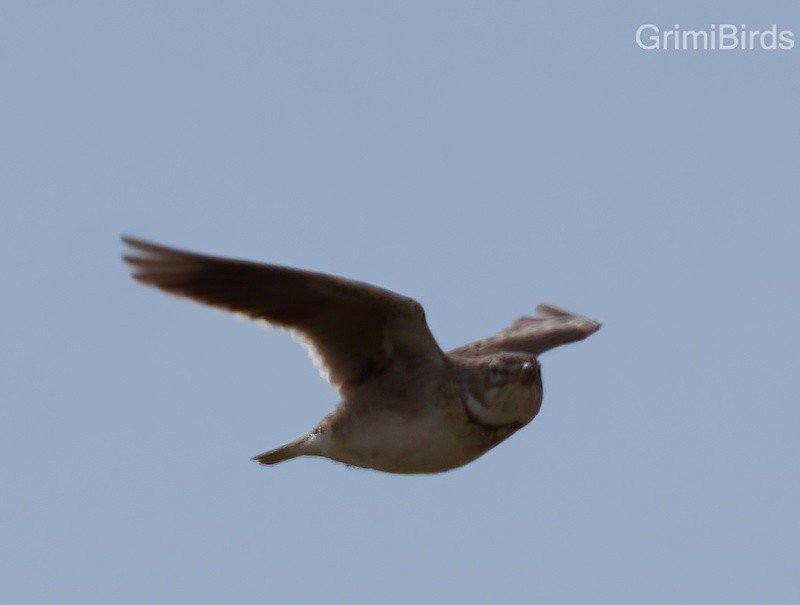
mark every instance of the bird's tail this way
{"type": "Point", "coordinates": [299, 447]}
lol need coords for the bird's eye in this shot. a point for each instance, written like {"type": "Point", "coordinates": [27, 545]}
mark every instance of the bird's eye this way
{"type": "Point", "coordinates": [497, 374]}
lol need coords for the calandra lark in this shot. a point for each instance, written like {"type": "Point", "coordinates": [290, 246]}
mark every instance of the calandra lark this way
{"type": "Point", "coordinates": [406, 406]}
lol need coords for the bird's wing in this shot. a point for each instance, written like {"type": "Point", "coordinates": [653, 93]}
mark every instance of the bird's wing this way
{"type": "Point", "coordinates": [353, 330]}
{"type": "Point", "coordinates": [550, 328]}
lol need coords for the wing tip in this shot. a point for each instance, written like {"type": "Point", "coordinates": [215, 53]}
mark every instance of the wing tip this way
{"type": "Point", "coordinates": [150, 248]}
{"type": "Point", "coordinates": [136, 243]}
{"type": "Point", "coordinates": [590, 324]}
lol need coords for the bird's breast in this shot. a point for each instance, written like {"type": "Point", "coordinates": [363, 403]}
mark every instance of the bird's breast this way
{"type": "Point", "coordinates": [430, 440]}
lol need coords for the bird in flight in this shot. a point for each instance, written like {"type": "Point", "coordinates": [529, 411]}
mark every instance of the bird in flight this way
{"type": "Point", "coordinates": [406, 406]}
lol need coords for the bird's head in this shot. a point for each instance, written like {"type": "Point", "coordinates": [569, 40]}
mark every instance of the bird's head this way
{"type": "Point", "coordinates": [506, 389]}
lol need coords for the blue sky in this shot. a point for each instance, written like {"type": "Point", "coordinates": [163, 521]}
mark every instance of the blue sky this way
{"type": "Point", "coordinates": [478, 156]}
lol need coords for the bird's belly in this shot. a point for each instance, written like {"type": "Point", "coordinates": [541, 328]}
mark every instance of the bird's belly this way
{"type": "Point", "coordinates": [434, 442]}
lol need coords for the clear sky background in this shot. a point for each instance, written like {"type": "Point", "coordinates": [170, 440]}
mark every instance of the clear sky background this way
{"type": "Point", "coordinates": [478, 156]}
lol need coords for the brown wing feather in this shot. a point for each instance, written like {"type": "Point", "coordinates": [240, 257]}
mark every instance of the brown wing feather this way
{"type": "Point", "coordinates": [356, 330]}
{"type": "Point", "coordinates": [551, 328]}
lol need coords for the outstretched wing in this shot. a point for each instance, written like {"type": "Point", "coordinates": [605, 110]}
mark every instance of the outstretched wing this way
{"type": "Point", "coordinates": [552, 327]}
{"type": "Point", "coordinates": [354, 330]}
